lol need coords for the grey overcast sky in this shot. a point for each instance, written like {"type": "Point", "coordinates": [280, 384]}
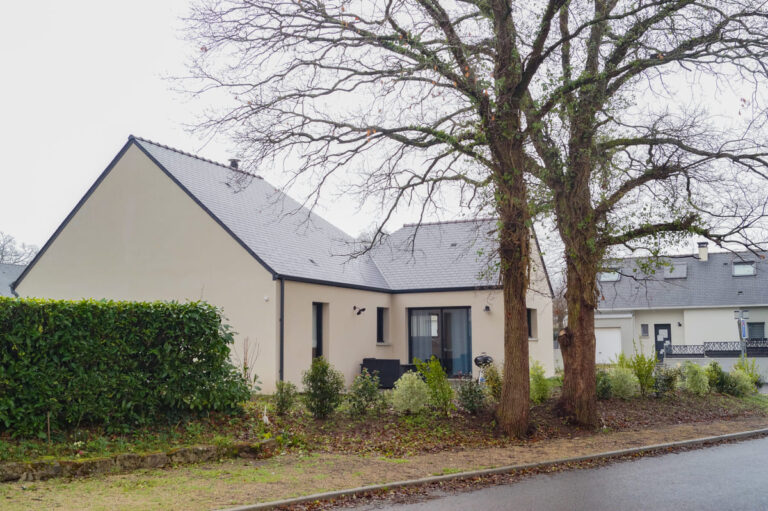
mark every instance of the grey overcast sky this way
{"type": "Point", "coordinates": [78, 77]}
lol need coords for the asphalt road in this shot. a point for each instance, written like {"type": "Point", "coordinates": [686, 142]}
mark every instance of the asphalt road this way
{"type": "Point", "coordinates": [731, 476]}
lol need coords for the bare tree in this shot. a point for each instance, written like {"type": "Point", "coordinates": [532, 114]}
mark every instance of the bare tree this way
{"type": "Point", "coordinates": [430, 91]}
{"type": "Point", "coordinates": [13, 253]}
{"type": "Point", "coordinates": [643, 175]}
{"type": "Point", "coordinates": [512, 108]}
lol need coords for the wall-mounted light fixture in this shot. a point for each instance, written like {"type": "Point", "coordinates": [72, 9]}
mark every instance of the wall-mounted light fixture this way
{"type": "Point", "coordinates": [359, 310]}
{"type": "Point", "coordinates": [679, 324]}
{"type": "Point", "coordinates": [487, 308]}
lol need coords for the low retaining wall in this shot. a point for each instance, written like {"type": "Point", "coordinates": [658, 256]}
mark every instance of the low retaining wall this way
{"type": "Point", "coordinates": [41, 470]}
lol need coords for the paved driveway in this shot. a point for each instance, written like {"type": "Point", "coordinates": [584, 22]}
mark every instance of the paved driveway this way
{"type": "Point", "coordinates": [732, 476]}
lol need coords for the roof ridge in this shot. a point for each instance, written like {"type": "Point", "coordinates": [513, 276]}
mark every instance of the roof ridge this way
{"type": "Point", "coordinates": [192, 155]}
{"type": "Point", "coordinates": [444, 222]}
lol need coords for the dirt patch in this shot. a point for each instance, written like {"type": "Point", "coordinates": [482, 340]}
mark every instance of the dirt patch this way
{"type": "Point", "coordinates": [230, 483]}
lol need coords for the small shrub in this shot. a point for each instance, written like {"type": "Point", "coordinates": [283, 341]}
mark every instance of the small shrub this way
{"type": "Point", "coordinates": [716, 377]}
{"type": "Point", "coordinates": [738, 383]}
{"type": "Point", "coordinates": [322, 386]}
{"type": "Point", "coordinates": [603, 384]}
{"type": "Point", "coordinates": [285, 397]}
{"type": "Point", "coordinates": [695, 379]}
{"type": "Point", "coordinates": [624, 384]}
{"type": "Point", "coordinates": [643, 367]}
{"type": "Point", "coordinates": [471, 396]}
{"type": "Point", "coordinates": [364, 393]}
{"type": "Point", "coordinates": [540, 387]}
{"type": "Point", "coordinates": [493, 381]}
{"type": "Point", "coordinates": [665, 381]}
{"type": "Point", "coordinates": [749, 367]}
{"type": "Point", "coordinates": [622, 361]}
{"type": "Point", "coordinates": [410, 394]}
{"type": "Point", "coordinates": [440, 391]}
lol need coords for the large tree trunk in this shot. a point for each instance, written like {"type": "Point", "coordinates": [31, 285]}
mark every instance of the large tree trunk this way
{"type": "Point", "coordinates": [514, 246]}
{"type": "Point", "coordinates": [578, 400]}
{"type": "Point", "coordinates": [577, 344]}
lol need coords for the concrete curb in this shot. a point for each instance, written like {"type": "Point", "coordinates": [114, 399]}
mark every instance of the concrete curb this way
{"type": "Point", "coordinates": [744, 435]}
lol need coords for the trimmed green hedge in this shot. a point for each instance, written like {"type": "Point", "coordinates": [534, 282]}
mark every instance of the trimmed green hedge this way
{"type": "Point", "coordinates": [116, 364]}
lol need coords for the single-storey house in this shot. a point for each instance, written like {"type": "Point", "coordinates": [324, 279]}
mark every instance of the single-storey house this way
{"type": "Point", "coordinates": [8, 274]}
{"type": "Point", "coordinates": [162, 224]}
{"type": "Point", "coordinates": [688, 303]}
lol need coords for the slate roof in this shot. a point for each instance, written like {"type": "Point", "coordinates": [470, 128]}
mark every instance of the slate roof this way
{"type": "Point", "coordinates": [446, 254]}
{"type": "Point", "coordinates": [296, 244]}
{"type": "Point", "coordinates": [8, 274]}
{"type": "Point", "coordinates": [704, 284]}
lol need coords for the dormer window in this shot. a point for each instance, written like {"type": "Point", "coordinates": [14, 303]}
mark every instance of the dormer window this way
{"type": "Point", "coordinates": [608, 275]}
{"type": "Point", "coordinates": [743, 268]}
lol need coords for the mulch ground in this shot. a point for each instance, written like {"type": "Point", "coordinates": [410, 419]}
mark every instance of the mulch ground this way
{"type": "Point", "coordinates": [392, 435]}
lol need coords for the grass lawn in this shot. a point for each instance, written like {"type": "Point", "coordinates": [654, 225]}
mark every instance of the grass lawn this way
{"type": "Point", "coordinates": [238, 482]}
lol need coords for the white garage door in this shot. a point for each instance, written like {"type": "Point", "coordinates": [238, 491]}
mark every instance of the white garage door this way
{"type": "Point", "coordinates": [608, 344]}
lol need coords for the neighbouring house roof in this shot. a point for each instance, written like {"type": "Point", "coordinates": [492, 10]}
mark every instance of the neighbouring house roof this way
{"type": "Point", "coordinates": [294, 243]}
{"type": "Point", "coordinates": [8, 274]}
{"type": "Point", "coordinates": [688, 283]}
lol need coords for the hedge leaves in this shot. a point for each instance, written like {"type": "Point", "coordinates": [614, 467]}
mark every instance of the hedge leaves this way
{"type": "Point", "coordinates": [116, 364]}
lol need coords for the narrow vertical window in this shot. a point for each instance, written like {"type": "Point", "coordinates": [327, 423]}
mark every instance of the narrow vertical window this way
{"type": "Point", "coordinates": [382, 324]}
{"type": "Point", "coordinates": [317, 330]}
{"type": "Point", "coordinates": [532, 323]}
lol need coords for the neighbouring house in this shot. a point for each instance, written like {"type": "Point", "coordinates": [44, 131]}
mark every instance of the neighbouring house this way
{"type": "Point", "coordinates": [8, 274]}
{"type": "Point", "coordinates": [161, 224]}
{"type": "Point", "coordinates": [684, 307]}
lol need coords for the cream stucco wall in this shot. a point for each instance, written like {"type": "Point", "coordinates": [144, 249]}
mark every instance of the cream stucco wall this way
{"type": "Point", "coordinates": [711, 325]}
{"type": "Point", "coordinates": [689, 326]}
{"type": "Point", "coordinates": [348, 337]}
{"type": "Point", "coordinates": [141, 237]}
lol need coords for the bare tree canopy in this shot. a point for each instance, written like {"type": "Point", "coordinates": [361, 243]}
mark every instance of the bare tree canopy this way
{"type": "Point", "coordinates": [516, 109]}
{"type": "Point", "coordinates": [13, 253]}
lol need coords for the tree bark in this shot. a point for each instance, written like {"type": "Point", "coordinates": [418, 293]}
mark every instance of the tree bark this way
{"type": "Point", "coordinates": [578, 400]}
{"type": "Point", "coordinates": [514, 246]}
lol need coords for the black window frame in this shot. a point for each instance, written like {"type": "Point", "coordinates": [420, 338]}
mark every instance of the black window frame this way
{"type": "Point", "coordinates": [318, 326]}
{"type": "Point", "coordinates": [380, 312]}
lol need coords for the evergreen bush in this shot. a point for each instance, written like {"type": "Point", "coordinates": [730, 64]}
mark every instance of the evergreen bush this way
{"type": "Point", "coordinates": [603, 384]}
{"type": "Point", "coordinates": [540, 387]}
{"type": "Point", "coordinates": [440, 391]}
{"type": "Point", "coordinates": [364, 393]}
{"type": "Point", "coordinates": [323, 386]}
{"type": "Point", "coordinates": [624, 384]}
{"type": "Point", "coordinates": [738, 383]}
{"type": "Point", "coordinates": [471, 396]}
{"type": "Point", "coordinates": [665, 381]}
{"type": "Point", "coordinates": [493, 381]}
{"type": "Point", "coordinates": [114, 364]}
{"type": "Point", "coordinates": [695, 379]}
{"type": "Point", "coordinates": [285, 397]}
{"type": "Point", "coordinates": [410, 394]}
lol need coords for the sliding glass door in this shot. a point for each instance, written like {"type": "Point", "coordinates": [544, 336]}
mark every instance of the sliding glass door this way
{"type": "Point", "coordinates": [445, 333]}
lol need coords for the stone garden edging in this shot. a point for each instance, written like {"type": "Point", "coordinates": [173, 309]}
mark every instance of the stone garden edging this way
{"type": "Point", "coordinates": [41, 470]}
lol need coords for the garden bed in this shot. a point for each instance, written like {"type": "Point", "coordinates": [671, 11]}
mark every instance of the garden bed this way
{"type": "Point", "coordinates": [383, 434]}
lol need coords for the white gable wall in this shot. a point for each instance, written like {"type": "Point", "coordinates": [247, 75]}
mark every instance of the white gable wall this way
{"type": "Point", "coordinates": [139, 236]}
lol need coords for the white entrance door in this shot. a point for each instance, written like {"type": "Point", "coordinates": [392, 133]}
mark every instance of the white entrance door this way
{"type": "Point", "coordinates": [607, 344]}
